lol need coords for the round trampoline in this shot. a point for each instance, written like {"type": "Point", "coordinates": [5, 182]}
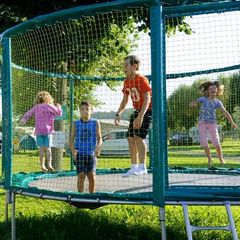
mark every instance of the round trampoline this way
{"type": "Point", "coordinates": [115, 186]}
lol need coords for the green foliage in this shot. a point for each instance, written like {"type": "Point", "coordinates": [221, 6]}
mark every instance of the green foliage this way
{"type": "Point", "coordinates": [180, 115]}
{"type": "Point", "coordinates": [77, 48]}
{"type": "Point", "coordinates": [85, 47]}
{"type": "Point", "coordinates": [234, 90]}
{"type": "Point", "coordinates": [178, 24]}
{"type": "Point", "coordinates": [14, 12]}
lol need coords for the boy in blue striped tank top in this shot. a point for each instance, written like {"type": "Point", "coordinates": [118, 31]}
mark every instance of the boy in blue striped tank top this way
{"type": "Point", "coordinates": [85, 141]}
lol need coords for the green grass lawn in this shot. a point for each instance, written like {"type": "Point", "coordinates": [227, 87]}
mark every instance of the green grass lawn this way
{"type": "Point", "coordinates": [45, 219]}
{"type": "Point", "coordinates": [187, 156]}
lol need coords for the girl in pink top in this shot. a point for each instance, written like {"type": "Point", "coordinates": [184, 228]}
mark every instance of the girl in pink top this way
{"type": "Point", "coordinates": [44, 113]}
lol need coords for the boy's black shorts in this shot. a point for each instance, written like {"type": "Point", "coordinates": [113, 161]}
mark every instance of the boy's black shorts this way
{"type": "Point", "coordinates": [143, 131]}
{"type": "Point", "coordinates": [85, 163]}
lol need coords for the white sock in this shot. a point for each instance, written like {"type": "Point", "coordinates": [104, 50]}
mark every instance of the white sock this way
{"type": "Point", "coordinates": [134, 166]}
{"type": "Point", "coordinates": [142, 165]}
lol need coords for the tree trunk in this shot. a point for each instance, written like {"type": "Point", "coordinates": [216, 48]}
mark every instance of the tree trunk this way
{"type": "Point", "coordinates": [59, 125]}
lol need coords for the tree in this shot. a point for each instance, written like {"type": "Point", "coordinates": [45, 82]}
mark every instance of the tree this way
{"type": "Point", "coordinates": [76, 48]}
{"type": "Point", "coordinates": [234, 92]}
{"type": "Point", "coordinates": [182, 117]}
{"type": "Point", "coordinates": [13, 12]}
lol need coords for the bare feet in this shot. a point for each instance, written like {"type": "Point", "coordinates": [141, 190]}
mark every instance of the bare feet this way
{"type": "Point", "coordinates": [222, 162]}
{"type": "Point", "coordinates": [44, 169]}
{"type": "Point", "coordinates": [51, 169]}
{"type": "Point", "coordinates": [210, 162]}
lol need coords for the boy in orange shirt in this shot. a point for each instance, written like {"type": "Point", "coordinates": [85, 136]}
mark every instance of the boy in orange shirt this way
{"type": "Point", "coordinates": [137, 87]}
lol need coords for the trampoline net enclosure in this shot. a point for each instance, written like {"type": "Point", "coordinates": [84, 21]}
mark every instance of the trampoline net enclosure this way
{"type": "Point", "coordinates": [78, 55]}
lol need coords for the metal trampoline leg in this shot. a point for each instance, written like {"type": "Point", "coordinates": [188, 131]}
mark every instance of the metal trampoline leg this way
{"type": "Point", "coordinates": [163, 222]}
{"type": "Point", "coordinates": [7, 202]}
{"type": "Point", "coordinates": [187, 221]}
{"type": "Point", "coordinates": [231, 220]}
{"type": "Point", "coordinates": [13, 220]}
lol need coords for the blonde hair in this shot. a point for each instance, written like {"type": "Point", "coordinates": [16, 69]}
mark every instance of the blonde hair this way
{"type": "Point", "coordinates": [43, 97]}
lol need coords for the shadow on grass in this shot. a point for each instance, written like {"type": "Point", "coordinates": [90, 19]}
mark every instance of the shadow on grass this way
{"type": "Point", "coordinates": [81, 224]}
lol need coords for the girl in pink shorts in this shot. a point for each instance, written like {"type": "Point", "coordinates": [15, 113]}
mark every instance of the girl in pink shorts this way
{"type": "Point", "coordinates": [44, 113]}
{"type": "Point", "coordinates": [207, 122]}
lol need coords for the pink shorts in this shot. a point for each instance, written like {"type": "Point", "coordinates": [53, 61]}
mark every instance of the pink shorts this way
{"type": "Point", "coordinates": [208, 129]}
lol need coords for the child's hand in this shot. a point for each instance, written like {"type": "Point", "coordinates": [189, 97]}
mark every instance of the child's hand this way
{"type": "Point", "coordinates": [74, 154]}
{"type": "Point", "coordinates": [193, 104]}
{"type": "Point", "coordinates": [117, 119]}
{"type": "Point", "coordinates": [97, 151]}
{"type": "Point", "coordinates": [57, 105]}
{"type": "Point", "coordinates": [137, 123]}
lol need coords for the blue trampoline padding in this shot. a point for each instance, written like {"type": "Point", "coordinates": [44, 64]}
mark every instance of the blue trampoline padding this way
{"type": "Point", "coordinates": [22, 180]}
{"type": "Point", "coordinates": [202, 194]}
{"type": "Point", "coordinates": [213, 170]}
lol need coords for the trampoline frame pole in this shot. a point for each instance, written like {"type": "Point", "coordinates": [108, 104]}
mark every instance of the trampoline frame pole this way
{"type": "Point", "coordinates": [162, 220]}
{"type": "Point", "coordinates": [231, 220]}
{"type": "Point", "coordinates": [7, 202]}
{"type": "Point", "coordinates": [13, 219]}
{"type": "Point", "coordinates": [187, 221]}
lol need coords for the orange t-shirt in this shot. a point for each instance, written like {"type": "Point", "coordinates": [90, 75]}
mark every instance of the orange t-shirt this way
{"type": "Point", "coordinates": [136, 88]}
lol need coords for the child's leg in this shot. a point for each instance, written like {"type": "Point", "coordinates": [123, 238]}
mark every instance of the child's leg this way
{"type": "Point", "coordinates": [91, 179]}
{"type": "Point", "coordinates": [202, 129]}
{"type": "Point", "coordinates": [80, 183]}
{"type": "Point", "coordinates": [219, 154]}
{"type": "Point", "coordinates": [133, 150]}
{"type": "Point", "coordinates": [213, 130]}
{"type": "Point", "coordinates": [142, 149]}
{"type": "Point", "coordinates": [208, 154]}
{"type": "Point", "coordinates": [49, 158]}
{"type": "Point", "coordinates": [42, 160]}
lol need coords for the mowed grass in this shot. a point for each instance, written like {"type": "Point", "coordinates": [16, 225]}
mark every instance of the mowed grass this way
{"type": "Point", "coordinates": [45, 219]}
{"type": "Point", "coordinates": [50, 220]}
{"type": "Point", "coordinates": [185, 156]}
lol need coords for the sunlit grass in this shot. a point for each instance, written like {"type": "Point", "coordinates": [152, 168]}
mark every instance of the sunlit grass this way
{"type": "Point", "coordinates": [185, 156]}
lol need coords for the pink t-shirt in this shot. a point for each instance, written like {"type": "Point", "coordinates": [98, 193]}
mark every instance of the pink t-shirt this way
{"type": "Point", "coordinates": [44, 115]}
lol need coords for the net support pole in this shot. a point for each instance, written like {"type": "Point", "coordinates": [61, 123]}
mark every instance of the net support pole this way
{"type": "Point", "coordinates": [7, 112]}
{"type": "Point", "coordinates": [71, 98]}
{"type": "Point", "coordinates": [159, 147]}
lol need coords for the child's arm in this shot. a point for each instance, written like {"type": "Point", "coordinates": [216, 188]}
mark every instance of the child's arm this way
{"type": "Point", "coordinates": [121, 108]}
{"type": "Point", "coordinates": [27, 115]}
{"type": "Point", "coordinates": [99, 139]}
{"type": "Point", "coordinates": [56, 110]}
{"type": "Point", "coordinates": [229, 117]}
{"type": "Point", "coordinates": [71, 140]}
{"type": "Point", "coordinates": [138, 121]}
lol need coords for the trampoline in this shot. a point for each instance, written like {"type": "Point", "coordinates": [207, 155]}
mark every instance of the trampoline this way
{"type": "Point", "coordinates": [112, 184]}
